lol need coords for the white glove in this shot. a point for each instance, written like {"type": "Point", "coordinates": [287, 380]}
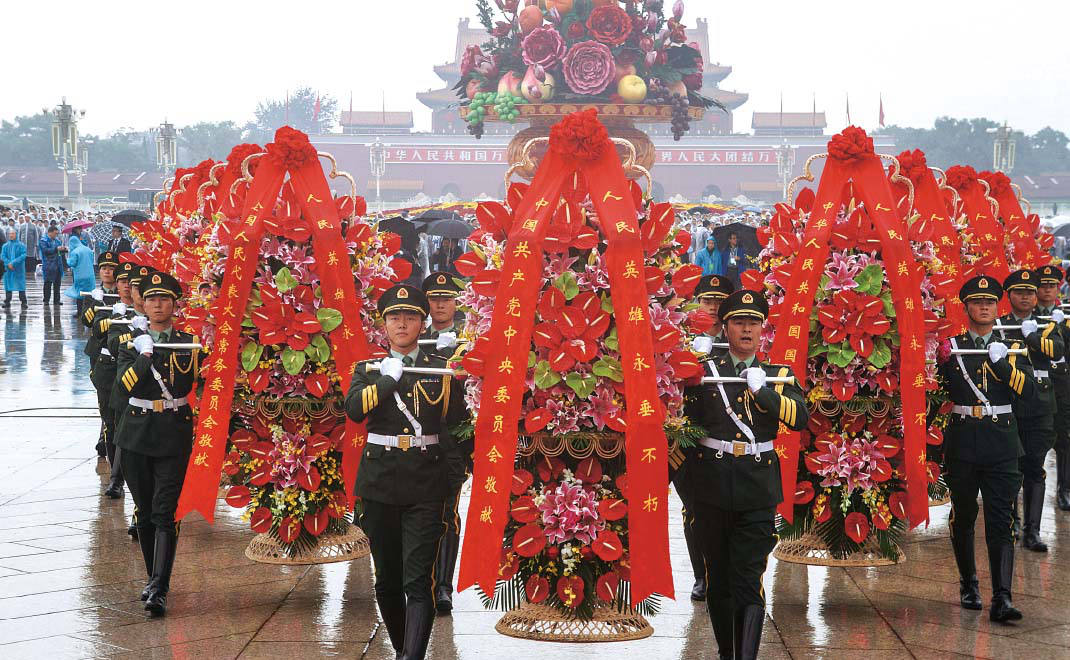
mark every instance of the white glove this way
{"type": "Point", "coordinates": [392, 367]}
{"type": "Point", "coordinates": [997, 351]}
{"type": "Point", "coordinates": [1057, 315]}
{"type": "Point", "coordinates": [702, 344]}
{"type": "Point", "coordinates": [119, 309]}
{"type": "Point", "coordinates": [98, 295]}
{"type": "Point", "coordinates": [143, 344]}
{"type": "Point", "coordinates": [140, 323]}
{"type": "Point", "coordinates": [446, 340]}
{"type": "Point", "coordinates": [1029, 326]}
{"type": "Point", "coordinates": [755, 378]}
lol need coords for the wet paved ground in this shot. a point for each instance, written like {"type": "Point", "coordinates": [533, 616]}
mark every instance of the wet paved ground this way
{"type": "Point", "coordinates": [70, 576]}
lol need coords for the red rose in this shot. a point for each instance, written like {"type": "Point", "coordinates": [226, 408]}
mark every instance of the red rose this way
{"type": "Point", "coordinates": [542, 46]}
{"type": "Point", "coordinates": [609, 24]}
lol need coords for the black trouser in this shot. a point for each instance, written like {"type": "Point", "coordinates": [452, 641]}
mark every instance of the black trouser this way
{"type": "Point", "coordinates": [1062, 428]}
{"type": "Point", "coordinates": [694, 548]}
{"type": "Point", "coordinates": [1038, 437]}
{"type": "Point", "coordinates": [7, 297]}
{"type": "Point", "coordinates": [405, 540]}
{"type": "Point", "coordinates": [735, 547]}
{"type": "Point", "coordinates": [53, 286]}
{"type": "Point", "coordinates": [998, 485]}
{"type": "Point", "coordinates": [447, 552]}
{"type": "Point", "coordinates": [155, 483]}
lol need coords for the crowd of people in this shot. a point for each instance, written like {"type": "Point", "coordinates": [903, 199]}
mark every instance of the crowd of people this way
{"type": "Point", "coordinates": [47, 243]}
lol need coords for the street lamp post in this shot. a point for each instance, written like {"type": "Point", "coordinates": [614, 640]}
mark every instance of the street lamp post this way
{"type": "Point", "coordinates": [65, 142]}
{"type": "Point", "coordinates": [166, 146]}
{"type": "Point", "coordinates": [1003, 150]}
{"type": "Point", "coordinates": [377, 159]}
{"type": "Point", "coordinates": [785, 166]}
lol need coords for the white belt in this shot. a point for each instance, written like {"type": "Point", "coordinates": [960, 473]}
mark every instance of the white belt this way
{"type": "Point", "coordinates": [403, 442]}
{"type": "Point", "coordinates": [1039, 373]}
{"type": "Point", "coordinates": [159, 405]}
{"type": "Point", "coordinates": [104, 351]}
{"type": "Point", "coordinates": [982, 411]}
{"type": "Point", "coordinates": [1061, 360]}
{"type": "Point", "coordinates": [737, 447]}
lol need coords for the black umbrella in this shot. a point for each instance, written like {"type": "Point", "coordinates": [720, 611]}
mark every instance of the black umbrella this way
{"type": "Point", "coordinates": [746, 234]}
{"type": "Point", "coordinates": [410, 239]}
{"type": "Point", "coordinates": [129, 217]}
{"type": "Point", "coordinates": [436, 214]}
{"type": "Point", "coordinates": [1062, 230]}
{"type": "Point", "coordinates": [449, 228]}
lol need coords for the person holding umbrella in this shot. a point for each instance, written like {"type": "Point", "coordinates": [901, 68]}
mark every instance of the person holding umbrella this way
{"type": "Point", "coordinates": [13, 256]}
{"type": "Point", "coordinates": [52, 258]}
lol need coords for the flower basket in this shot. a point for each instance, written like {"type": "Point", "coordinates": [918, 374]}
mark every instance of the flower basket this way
{"type": "Point", "coordinates": [810, 548]}
{"type": "Point", "coordinates": [546, 624]}
{"type": "Point", "coordinates": [339, 546]}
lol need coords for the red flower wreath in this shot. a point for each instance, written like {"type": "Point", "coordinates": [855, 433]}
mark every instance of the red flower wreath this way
{"type": "Point", "coordinates": [852, 144]}
{"type": "Point", "coordinates": [580, 135]}
{"type": "Point", "coordinates": [291, 148]}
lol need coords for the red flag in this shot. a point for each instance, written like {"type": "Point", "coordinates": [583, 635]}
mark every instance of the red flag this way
{"type": "Point", "coordinates": [880, 119]}
{"type": "Point", "coordinates": [316, 110]}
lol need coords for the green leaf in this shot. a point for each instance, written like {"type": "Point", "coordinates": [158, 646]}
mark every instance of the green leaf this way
{"type": "Point", "coordinates": [566, 281]}
{"type": "Point", "coordinates": [292, 361]}
{"type": "Point", "coordinates": [870, 280]}
{"type": "Point", "coordinates": [329, 318]}
{"type": "Point", "coordinates": [610, 368]}
{"type": "Point", "coordinates": [284, 281]}
{"type": "Point", "coordinates": [545, 377]}
{"type": "Point", "coordinates": [841, 354]}
{"type": "Point", "coordinates": [250, 355]}
{"type": "Point", "coordinates": [581, 385]}
{"type": "Point", "coordinates": [889, 307]}
{"type": "Point", "coordinates": [607, 304]}
{"type": "Point", "coordinates": [611, 340]}
{"type": "Point", "coordinates": [881, 355]}
{"type": "Point", "coordinates": [323, 350]}
{"type": "Point", "coordinates": [531, 359]}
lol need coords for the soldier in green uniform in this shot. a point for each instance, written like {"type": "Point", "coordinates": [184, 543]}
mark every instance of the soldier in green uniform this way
{"type": "Point", "coordinates": [119, 335]}
{"type": "Point", "coordinates": [1036, 418]}
{"type": "Point", "coordinates": [409, 469]}
{"type": "Point", "coordinates": [442, 290]}
{"type": "Point", "coordinates": [709, 294]}
{"type": "Point", "coordinates": [734, 473]}
{"type": "Point", "coordinates": [1048, 309]}
{"type": "Point", "coordinates": [155, 435]}
{"type": "Point", "coordinates": [102, 373]}
{"type": "Point", "coordinates": [107, 265]}
{"type": "Point", "coordinates": [981, 445]}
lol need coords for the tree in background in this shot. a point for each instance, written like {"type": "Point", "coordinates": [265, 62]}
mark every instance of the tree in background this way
{"type": "Point", "coordinates": [27, 142]}
{"type": "Point", "coordinates": [125, 150]}
{"type": "Point", "coordinates": [207, 140]}
{"type": "Point", "coordinates": [298, 110]}
{"type": "Point", "coordinates": [969, 142]}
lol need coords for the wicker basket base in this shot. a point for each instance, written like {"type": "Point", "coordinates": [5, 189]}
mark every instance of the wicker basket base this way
{"type": "Point", "coordinates": [940, 502]}
{"type": "Point", "coordinates": [351, 544]}
{"type": "Point", "coordinates": [810, 549]}
{"type": "Point", "coordinates": [545, 624]}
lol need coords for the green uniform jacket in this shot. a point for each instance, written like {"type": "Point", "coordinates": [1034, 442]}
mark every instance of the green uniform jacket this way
{"type": "Point", "coordinates": [393, 476]}
{"type": "Point", "coordinates": [985, 441]}
{"type": "Point", "coordinates": [1045, 345]}
{"type": "Point", "coordinates": [1059, 366]}
{"type": "Point", "coordinates": [167, 433]}
{"type": "Point", "coordinates": [102, 373]}
{"type": "Point", "coordinates": [741, 483]}
{"type": "Point", "coordinates": [89, 317]}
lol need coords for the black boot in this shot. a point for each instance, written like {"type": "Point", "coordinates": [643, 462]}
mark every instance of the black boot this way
{"type": "Point", "coordinates": [162, 562]}
{"type": "Point", "coordinates": [721, 612]}
{"type": "Point", "coordinates": [115, 486]}
{"type": "Point", "coordinates": [1033, 502]}
{"type": "Point", "coordinates": [1001, 563]}
{"type": "Point", "coordinates": [392, 609]}
{"type": "Point", "coordinates": [969, 592]}
{"type": "Point", "coordinates": [419, 617]}
{"type": "Point", "coordinates": [146, 537]}
{"type": "Point", "coordinates": [1062, 471]}
{"type": "Point", "coordinates": [748, 630]}
{"type": "Point", "coordinates": [444, 565]}
{"type": "Point", "coordinates": [698, 566]}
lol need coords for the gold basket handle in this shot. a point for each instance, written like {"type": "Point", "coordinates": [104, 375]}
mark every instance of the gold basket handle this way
{"type": "Point", "coordinates": [212, 181]}
{"type": "Point", "coordinates": [181, 187]}
{"type": "Point", "coordinates": [335, 173]}
{"type": "Point", "coordinates": [807, 175]}
{"type": "Point", "coordinates": [1022, 200]}
{"type": "Point", "coordinates": [245, 177]}
{"type": "Point", "coordinates": [899, 178]}
{"type": "Point", "coordinates": [988, 195]}
{"type": "Point", "coordinates": [526, 160]}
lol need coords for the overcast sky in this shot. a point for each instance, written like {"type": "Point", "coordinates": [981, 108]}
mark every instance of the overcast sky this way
{"type": "Point", "coordinates": [134, 63]}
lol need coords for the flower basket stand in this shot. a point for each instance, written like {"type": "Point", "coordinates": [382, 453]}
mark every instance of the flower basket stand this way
{"type": "Point", "coordinates": [546, 624]}
{"type": "Point", "coordinates": [809, 548]}
{"type": "Point", "coordinates": [348, 545]}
